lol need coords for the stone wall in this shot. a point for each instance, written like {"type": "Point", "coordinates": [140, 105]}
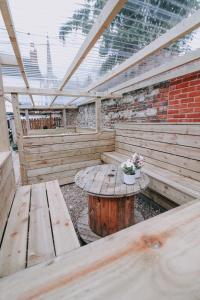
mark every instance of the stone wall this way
{"type": "Point", "coordinates": [71, 117]}
{"type": "Point", "coordinates": [177, 100]}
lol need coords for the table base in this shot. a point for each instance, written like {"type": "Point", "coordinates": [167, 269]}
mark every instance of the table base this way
{"type": "Point", "coordinates": [109, 215]}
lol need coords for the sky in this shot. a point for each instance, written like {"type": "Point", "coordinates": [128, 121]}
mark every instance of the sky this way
{"type": "Point", "coordinates": [41, 18]}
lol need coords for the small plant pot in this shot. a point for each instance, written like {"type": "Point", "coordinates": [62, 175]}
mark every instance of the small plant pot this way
{"type": "Point", "coordinates": [129, 179]}
{"type": "Point", "coordinates": [138, 173]}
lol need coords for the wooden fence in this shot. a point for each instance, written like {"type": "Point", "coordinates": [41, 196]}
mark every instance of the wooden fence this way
{"type": "Point", "coordinates": [40, 123]}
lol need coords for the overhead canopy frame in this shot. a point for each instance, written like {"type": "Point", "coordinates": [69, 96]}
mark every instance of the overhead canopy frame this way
{"type": "Point", "coordinates": [6, 14]}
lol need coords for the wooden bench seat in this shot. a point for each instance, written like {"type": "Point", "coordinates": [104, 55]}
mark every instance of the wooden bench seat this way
{"type": "Point", "coordinates": [38, 228]}
{"type": "Point", "coordinates": [172, 157]}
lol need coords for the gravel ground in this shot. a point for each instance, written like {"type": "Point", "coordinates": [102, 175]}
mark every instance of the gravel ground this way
{"type": "Point", "coordinates": [76, 201]}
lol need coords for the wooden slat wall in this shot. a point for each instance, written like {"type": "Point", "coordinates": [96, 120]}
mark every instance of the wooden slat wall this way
{"type": "Point", "coordinates": [60, 157]}
{"type": "Point", "coordinates": [7, 187]}
{"type": "Point", "coordinates": [175, 147]}
{"type": "Point", "coordinates": [61, 130]}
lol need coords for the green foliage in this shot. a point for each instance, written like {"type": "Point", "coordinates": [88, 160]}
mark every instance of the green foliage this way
{"type": "Point", "coordinates": [128, 170]}
{"type": "Point", "coordinates": [132, 28]}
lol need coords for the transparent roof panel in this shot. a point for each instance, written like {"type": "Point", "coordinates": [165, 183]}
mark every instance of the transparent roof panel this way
{"type": "Point", "coordinates": [50, 34]}
{"type": "Point", "coordinates": [137, 25]}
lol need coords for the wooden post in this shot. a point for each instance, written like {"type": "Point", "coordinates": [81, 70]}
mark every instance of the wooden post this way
{"type": "Point", "coordinates": [4, 138]}
{"type": "Point", "coordinates": [19, 134]}
{"type": "Point", "coordinates": [27, 121]}
{"type": "Point", "coordinates": [64, 118]}
{"type": "Point", "coordinates": [98, 114]}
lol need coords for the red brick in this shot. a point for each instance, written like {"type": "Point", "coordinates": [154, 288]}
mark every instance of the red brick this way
{"type": "Point", "coordinates": [171, 102]}
{"type": "Point", "coordinates": [194, 94]}
{"type": "Point", "coordinates": [178, 106]}
{"type": "Point", "coordinates": [188, 100]}
{"type": "Point", "coordinates": [175, 92]}
{"type": "Point", "coordinates": [186, 110]}
{"type": "Point", "coordinates": [197, 109]}
{"type": "Point", "coordinates": [193, 115]}
{"type": "Point", "coordinates": [173, 111]}
{"type": "Point", "coordinates": [182, 85]}
{"type": "Point", "coordinates": [195, 82]}
{"type": "Point", "coordinates": [197, 99]}
{"type": "Point", "coordinates": [195, 104]}
{"type": "Point", "coordinates": [181, 96]}
{"type": "Point", "coordinates": [179, 116]}
{"type": "Point", "coordinates": [189, 89]}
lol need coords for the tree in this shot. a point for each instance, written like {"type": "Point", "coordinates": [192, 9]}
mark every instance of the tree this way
{"type": "Point", "coordinates": [138, 23]}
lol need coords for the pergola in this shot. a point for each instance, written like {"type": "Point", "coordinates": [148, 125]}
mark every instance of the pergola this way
{"type": "Point", "coordinates": [156, 259]}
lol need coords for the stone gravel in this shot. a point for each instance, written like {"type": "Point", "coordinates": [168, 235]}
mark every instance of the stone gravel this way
{"type": "Point", "coordinates": [76, 201]}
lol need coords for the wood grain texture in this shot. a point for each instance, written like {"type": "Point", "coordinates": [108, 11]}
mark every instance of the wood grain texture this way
{"type": "Point", "coordinates": [107, 180]}
{"type": "Point", "coordinates": [7, 187]}
{"type": "Point", "coordinates": [65, 238]}
{"type": "Point", "coordinates": [53, 157]}
{"type": "Point", "coordinates": [155, 259]}
{"type": "Point", "coordinates": [40, 243]}
{"type": "Point", "coordinates": [13, 249]}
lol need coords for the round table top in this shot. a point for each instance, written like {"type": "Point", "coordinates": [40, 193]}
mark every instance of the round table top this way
{"type": "Point", "coordinates": [107, 181]}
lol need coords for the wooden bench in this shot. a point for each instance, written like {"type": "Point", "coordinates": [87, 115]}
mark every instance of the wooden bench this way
{"type": "Point", "coordinates": [172, 158]}
{"type": "Point", "coordinates": [37, 226]}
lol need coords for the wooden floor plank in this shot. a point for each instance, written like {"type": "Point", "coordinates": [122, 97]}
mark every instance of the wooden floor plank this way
{"type": "Point", "coordinates": [40, 245]}
{"type": "Point", "coordinates": [13, 250]}
{"type": "Point", "coordinates": [155, 259]}
{"type": "Point", "coordinates": [65, 237]}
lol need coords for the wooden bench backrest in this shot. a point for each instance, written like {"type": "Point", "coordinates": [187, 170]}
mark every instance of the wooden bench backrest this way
{"type": "Point", "coordinates": [7, 188]}
{"type": "Point", "coordinates": [175, 147]}
{"type": "Point", "coordinates": [60, 157]}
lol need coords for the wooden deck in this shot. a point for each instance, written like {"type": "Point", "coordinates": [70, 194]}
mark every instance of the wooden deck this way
{"type": "Point", "coordinates": [156, 259]}
{"type": "Point", "coordinates": [38, 228]}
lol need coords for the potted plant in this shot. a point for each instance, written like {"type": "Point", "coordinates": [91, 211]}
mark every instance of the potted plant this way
{"type": "Point", "coordinates": [128, 169]}
{"type": "Point", "coordinates": [138, 161]}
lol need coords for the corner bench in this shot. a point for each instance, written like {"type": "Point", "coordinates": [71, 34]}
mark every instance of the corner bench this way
{"type": "Point", "coordinates": [38, 227]}
{"type": "Point", "coordinates": [172, 158]}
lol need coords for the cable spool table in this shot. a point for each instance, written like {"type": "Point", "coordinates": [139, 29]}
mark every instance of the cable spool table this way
{"type": "Point", "coordinates": [110, 201]}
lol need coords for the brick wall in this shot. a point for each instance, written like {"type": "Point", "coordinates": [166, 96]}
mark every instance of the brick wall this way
{"type": "Point", "coordinates": [184, 99]}
{"type": "Point", "coordinates": [177, 100]}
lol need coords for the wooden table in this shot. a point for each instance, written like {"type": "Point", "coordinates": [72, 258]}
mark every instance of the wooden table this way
{"type": "Point", "coordinates": [110, 201]}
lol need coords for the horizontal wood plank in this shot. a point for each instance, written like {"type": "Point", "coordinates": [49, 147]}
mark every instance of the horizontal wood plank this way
{"type": "Point", "coordinates": [40, 243]}
{"type": "Point", "coordinates": [13, 250]}
{"type": "Point", "coordinates": [167, 247]}
{"type": "Point", "coordinates": [65, 238]}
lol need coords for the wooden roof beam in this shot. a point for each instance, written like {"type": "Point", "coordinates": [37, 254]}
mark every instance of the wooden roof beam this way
{"type": "Point", "coordinates": [108, 13]}
{"type": "Point", "coordinates": [186, 26]}
{"type": "Point", "coordinates": [46, 108]}
{"type": "Point", "coordinates": [6, 14]}
{"type": "Point", "coordinates": [174, 63]}
{"type": "Point", "coordinates": [55, 92]}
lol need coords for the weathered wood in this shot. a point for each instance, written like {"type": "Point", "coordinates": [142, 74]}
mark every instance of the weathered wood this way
{"type": "Point", "coordinates": [27, 121]}
{"type": "Point", "coordinates": [56, 92]}
{"type": "Point", "coordinates": [55, 156]}
{"type": "Point", "coordinates": [19, 134]}
{"type": "Point", "coordinates": [175, 187]}
{"type": "Point", "coordinates": [107, 216]}
{"type": "Point", "coordinates": [7, 17]}
{"type": "Point", "coordinates": [7, 188]}
{"type": "Point", "coordinates": [65, 238]}
{"type": "Point", "coordinates": [36, 236]}
{"type": "Point", "coordinates": [40, 243]}
{"type": "Point", "coordinates": [4, 139]}
{"type": "Point", "coordinates": [13, 249]}
{"type": "Point", "coordinates": [161, 254]}
{"type": "Point", "coordinates": [101, 181]}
